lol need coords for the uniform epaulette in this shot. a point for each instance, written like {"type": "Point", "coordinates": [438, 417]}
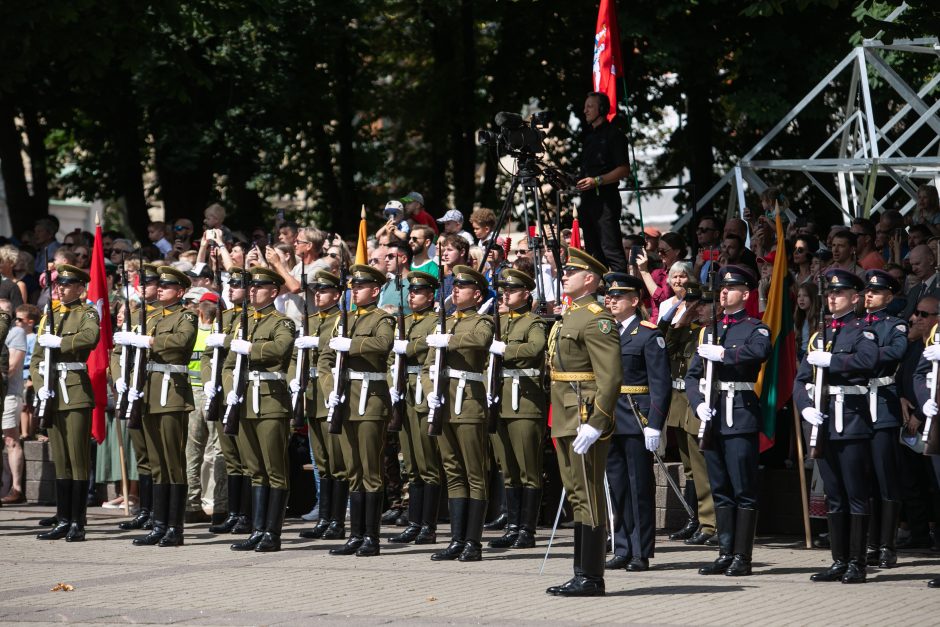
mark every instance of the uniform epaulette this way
{"type": "Point", "coordinates": [594, 308]}
{"type": "Point", "coordinates": [648, 324]}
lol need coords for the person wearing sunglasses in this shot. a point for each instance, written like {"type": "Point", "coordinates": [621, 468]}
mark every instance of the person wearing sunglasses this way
{"type": "Point", "coordinates": [396, 262]}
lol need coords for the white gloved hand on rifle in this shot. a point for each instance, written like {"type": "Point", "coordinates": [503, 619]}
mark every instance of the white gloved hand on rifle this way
{"type": "Point", "coordinates": [930, 408]}
{"type": "Point", "coordinates": [400, 347]}
{"type": "Point", "coordinates": [704, 412]}
{"type": "Point", "coordinates": [813, 416]}
{"type": "Point", "coordinates": [434, 401]}
{"type": "Point", "coordinates": [307, 341]}
{"type": "Point", "coordinates": [215, 340]}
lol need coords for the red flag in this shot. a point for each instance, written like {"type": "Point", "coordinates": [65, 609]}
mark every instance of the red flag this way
{"type": "Point", "coordinates": [608, 63]}
{"type": "Point", "coordinates": [100, 355]}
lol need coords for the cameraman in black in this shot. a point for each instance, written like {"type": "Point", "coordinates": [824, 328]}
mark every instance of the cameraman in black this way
{"type": "Point", "coordinates": [604, 162]}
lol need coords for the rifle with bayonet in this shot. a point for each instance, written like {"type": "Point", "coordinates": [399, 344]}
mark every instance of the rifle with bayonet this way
{"type": "Point", "coordinates": [334, 418]}
{"type": "Point", "coordinates": [820, 401]}
{"type": "Point", "coordinates": [399, 365]}
{"type": "Point", "coordinates": [213, 406]}
{"type": "Point", "coordinates": [712, 395]}
{"type": "Point", "coordinates": [124, 359]}
{"type": "Point", "coordinates": [48, 357]}
{"type": "Point", "coordinates": [302, 367]}
{"type": "Point", "coordinates": [239, 376]}
{"type": "Point", "coordinates": [438, 380]}
{"type": "Point", "coordinates": [494, 374]}
{"type": "Point", "coordinates": [135, 391]}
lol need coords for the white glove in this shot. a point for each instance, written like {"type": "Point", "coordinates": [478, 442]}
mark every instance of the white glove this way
{"type": "Point", "coordinates": [587, 435]}
{"type": "Point", "coordinates": [232, 398]}
{"type": "Point", "coordinates": [334, 399]}
{"type": "Point", "coordinates": [711, 352]}
{"type": "Point", "coordinates": [133, 395]}
{"type": "Point", "coordinates": [704, 412]}
{"type": "Point", "coordinates": [932, 352]}
{"type": "Point", "coordinates": [930, 408]}
{"type": "Point", "coordinates": [434, 401]}
{"type": "Point", "coordinates": [438, 340]}
{"type": "Point", "coordinates": [819, 358]}
{"type": "Point", "coordinates": [242, 347]}
{"type": "Point", "coordinates": [813, 416]}
{"type": "Point", "coordinates": [395, 394]}
{"type": "Point", "coordinates": [491, 400]}
{"type": "Point", "coordinates": [400, 347]}
{"type": "Point", "coordinates": [307, 341]}
{"type": "Point", "coordinates": [652, 438]}
{"type": "Point", "coordinates": [209, 391]}
{"type": "Point", "coordinates": [498, 348]}
{"type": "Point", "coordinates": [214, 340]}
{"type": "Point", "coordinates": [341, 344]}
{"type": "Point", "coordinates": [44, 393]}
{"type": "Point", "coordinates": [141, 341]}
{"type": "Point", "coordinates": [124, 338]}
{"type": "Point", "coordinates": [120, 385]}
{"type": "Point", "coordinates": [294, 385]}
{"type": "Point", "coordinates": [49, 341]}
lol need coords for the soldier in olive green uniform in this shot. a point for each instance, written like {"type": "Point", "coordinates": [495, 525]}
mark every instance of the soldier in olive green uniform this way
{"type": "Point", "coordinates": [265, 411]}
{"type": "Point", "coordinates": [238, 479]}
{"type": "Point", "coordinates": [365, 403]}
{"type": "Point", "coordinates": [334, 486]}
{"type": "Point", "coordinates": [584, 361]}
{"type": "Point", "coordinates": [461, 407]}
{"type": "Point", "coordinates": [68, 396]}
{"type": "Point", "coordinates": [517, 444]}
{"type": "Point", "coordinates": [419, 450]}
{"type": "Point", "coordinates": [167, 399]}
{"type": "Point", "coordinates": [143, 520]}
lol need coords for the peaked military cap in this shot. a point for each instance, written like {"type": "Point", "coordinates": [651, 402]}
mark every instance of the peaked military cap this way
{"type": "Point", "coordinates": [693, 291]}
{"type": "Point", "coordinates": [580, 260]}
{"type": "Point", "coordinates": [737, 275]}
{"type": "Point", "coordinates": [171, 276]}
{"type": "Point", "coordinates": [238, 277]}
{"type": "Point", "coordinates": [70, 274]}
{"type": "Point", "coordinates": [149, 273]}
{"type": "Point", "coordinates": [510, 277]}
{"type": "Point", "coordinates": [465, 275]}
{"type": "Point", "coordinates": [323, 280]}
{"type": "Point", "coordinates": [265, 276]}
{"type": "Point", "coordinates": [419, 280]}
{"type": "Point", "coordinates": [838, 279]}
{"type": "Point", "coordinates": [621, 283]}
{"type": "Point", "coordinates": [881, 280]}
{"type": "Point", "coordinates": [362, 273]}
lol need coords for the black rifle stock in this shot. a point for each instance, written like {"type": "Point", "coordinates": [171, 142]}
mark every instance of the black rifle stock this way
{"type": "Point", "coordinates": [121, 403]}
{"type": "Point", "coordinates": [213, 406]}
{"type": "Point", "coordinates": [712, 396]}
{"type": "Point", "coordinates": [334, 416]}
{"type": "Point", "coordinates": [48, 358]}
{"type": "Point", "coordinates": [435, 426]}
{"type": "Point", "coordinates": [820, 402]}
{"type": "Point", "coordinates": [302, 369]}
{"type": "Point", "coordinates": [399, 366]}
{"type": "Point", "coordinates": [495, 370]}
{"type": "Point", "coordinates": [135, 391]}
{"type": "Point", "coordinates": [230, 420]}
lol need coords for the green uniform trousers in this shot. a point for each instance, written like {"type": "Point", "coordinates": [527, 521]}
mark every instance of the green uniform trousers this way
{"type": "Point", "coordinates": [69, 439]}
{"type": "Point", "coordinates": [362, 443]}
{"type": "Point", "coordinates": [517, 445]}
{"type": "Point", "coordinates": [165, 435]}
{"type": "Point", "coordinates": [419, 450]}
{"type": "Point", "coordinates": [587, 498]}
{"type": "Point", "coordinates": [263, 445]}
{"type": "Point", "coordinates": [139, 442]}
{"type": "Point", "coordinates": [326, 449]}
{"type": "Point", "coordinates": [464, 457]}
{"type": "Point", "coordinates": [233, 458]}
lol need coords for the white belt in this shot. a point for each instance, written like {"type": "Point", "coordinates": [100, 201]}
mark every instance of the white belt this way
{"type": "Point", "coordinates": [730, 388]}
{"type": "Point", "coordinates": [365, 377]}
{"type": "Point", "coordinates": [419, 389]}
{"type": "Point", "coordinates": [167, 370]}
{"type": "Point", "coordinates": [63, 367]}
{"type": "Point", "coordinates": [462, 376]}
{"type": "Point", "coordinates": [257, 376]}
{"type": "Point", "coordinates": [514, 374]}
{"type": "Point", "coordinates": [678, 384]}
{"type": "Point", "coordinates": [873, 385]}
{"type": "Point", "coordinates": [840, 392]}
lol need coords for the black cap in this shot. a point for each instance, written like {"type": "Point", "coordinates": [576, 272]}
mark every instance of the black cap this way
{"type": "Point", "coordinates": [621, 283]}
{"type": "Point", "coordinates": [693, 291]}
{"type": "Point", "coordinates": [737, 275]}
{"type": "Point", "coordinates": [881, 280]}
{"type": "Point", "coordinates": [838, 279]}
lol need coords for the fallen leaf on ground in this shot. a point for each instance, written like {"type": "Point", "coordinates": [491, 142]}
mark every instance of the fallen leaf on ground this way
{"type": "Point", "coordinates": [62, 587]}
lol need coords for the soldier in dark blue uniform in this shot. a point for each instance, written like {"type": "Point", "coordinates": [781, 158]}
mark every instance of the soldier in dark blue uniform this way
{"type": "Point", "coordinates": [884, 405]}
{"type": "Point", "coordinates": [743, 344]}
{"type": "Point", "coordinates": [640, 415]}
{"type": "Point", "coordinates": [850, 358]}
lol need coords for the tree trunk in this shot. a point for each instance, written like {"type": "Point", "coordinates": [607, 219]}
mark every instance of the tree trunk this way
{"type": "Point", "coordinates": [36, 136]}
{"type": "Point", "coordinates": [700, 122]}
{"type": "Point", "coordinates": [463, 136]}
{"type": "Point", "coordinates": [19, 201]}
{"type": "Point", "coordinates": [346, 215]}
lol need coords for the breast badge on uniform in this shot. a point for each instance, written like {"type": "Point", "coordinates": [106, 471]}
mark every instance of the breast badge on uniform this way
{"type": "Point", "coordinates": [868, 335]}
{"type": "Point", "coordinates": [764, 332]}
{"type": "Point", "coordinates": [605, 326]}
{"type": "Point", "coordinates": [902, 328]}
{"type": "Point", "coordinates": [661, 342]}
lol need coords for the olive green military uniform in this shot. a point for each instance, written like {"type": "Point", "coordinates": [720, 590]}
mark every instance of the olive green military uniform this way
{"type": "Point", "coordinates": [420, 452]}
{"type": "Point", "coordinates": [584, 361]}
{"type": "Point", "coordinates": [70, 403]}
{"type": "Point", "coordinates": [365, 411]}
{"type": "Point", "coordinates": [518, 441]}
{"type": "Point", "coordinates": [463, 441]}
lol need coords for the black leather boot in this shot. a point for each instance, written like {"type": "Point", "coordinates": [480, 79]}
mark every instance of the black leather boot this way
{"type": "Point", "coordinates": [874, 528]}
{"type": "Point", "coordinates": [458, 531]}
{"type": "Point", "coordinates": [161, 509]}
{"type": "Point", "coordinates": [234, 506]}
{"type": "Point", "coordinates": [528, 519]}
{"type": "Point", "coordinates": [176, 517]}
{"type": "Point", "coordinates": [63, 511]}
{"type": "Point", "coordinates": [593, 552]}
{"type": "Point", "coordinates": [513, 514]}
{"type": "Point", "coordinates": [274, 521]}
{"type": "Point", "coordinates": [744, 528]}
{"type": "Point", "coordinates": [259, 512]}
{"type": "Point", "coordinates": [476, 514]}
{"type": "Point", "coordinates": [357, 519]}
{"type": "Point", "coordinates": [79, 507]}
{"type": "Point", "coordinates": [243, 525]}
{"type": "Point", "coordinates": [724, 519]}
{"type": "Point", "coordinates": [498, 496]}
{"type": "Point", "coordinates": [337, 528]}
{"type": "Point", "coordinates": [858, 543]}
{"type": "Point", "coordinates": [145, 491]}
{"type": "Point", "coordinates": [838, 544]}
{"type": "Point", "coordinates": [432, 502]}
{"type": "Point", "coordinates": [890, 513]}
{"type": "Point", "coordinates": [553, 590]}
{"type": "Point", "coordinates": [415, 513]}
{"type": "Point", "coordinates": [692, 525]}
{"type": "Point", "coordinates": [373, 522]}
{"type": "Point", "coordinates": [325, 505]}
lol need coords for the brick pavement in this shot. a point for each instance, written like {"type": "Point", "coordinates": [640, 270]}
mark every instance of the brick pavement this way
{"type": "Point", "coordinates": [204, 583]}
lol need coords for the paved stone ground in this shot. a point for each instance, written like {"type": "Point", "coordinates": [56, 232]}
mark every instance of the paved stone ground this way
{"type": "Point", "coordinates": [204, 583]}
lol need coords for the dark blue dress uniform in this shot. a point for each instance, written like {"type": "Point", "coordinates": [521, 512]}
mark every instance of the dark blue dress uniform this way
{"type": "Point", "coordinates": [646, 379]}
{"type": "Point", "coordinates": [846, 435]}
{"type": "Point", "coordinates": [733, 460]}
{"type": "Point", "coordinates": [884, 404]}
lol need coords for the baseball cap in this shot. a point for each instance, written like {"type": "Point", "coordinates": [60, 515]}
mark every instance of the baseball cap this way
{"type": "Point", "coordinates": [393, 206]}
{"type": "Point", "coordinates": [452, 215]}
{"type": "Point", "coordinates": [413, 197]}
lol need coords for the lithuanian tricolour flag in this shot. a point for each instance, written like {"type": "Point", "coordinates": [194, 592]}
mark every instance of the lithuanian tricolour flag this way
{"type": "Point", "coordinates": [775, 382]}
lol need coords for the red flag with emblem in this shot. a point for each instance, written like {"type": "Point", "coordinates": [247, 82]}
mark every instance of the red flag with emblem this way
{"type": "Point", "coordinates": [608, 62]}
{"type": "Point", "coordinates": [99, 357]}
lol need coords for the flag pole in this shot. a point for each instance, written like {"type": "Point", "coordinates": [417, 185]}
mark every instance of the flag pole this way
{"type": "Point", "coordinates": [804, 490]}
{"type": "Point", "coordinates": [633, 170]}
